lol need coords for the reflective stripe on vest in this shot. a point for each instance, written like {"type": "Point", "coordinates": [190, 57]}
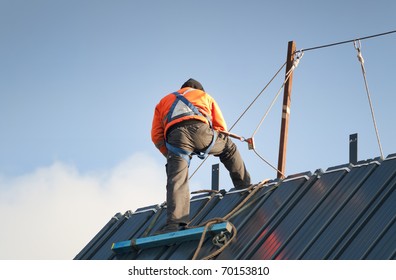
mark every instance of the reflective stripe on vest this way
{"type": "Point", "coordinates": [183, 107]}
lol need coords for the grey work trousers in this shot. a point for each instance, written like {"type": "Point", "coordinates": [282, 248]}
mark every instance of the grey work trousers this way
{"type": "Point", "coordinates": [197, 136]}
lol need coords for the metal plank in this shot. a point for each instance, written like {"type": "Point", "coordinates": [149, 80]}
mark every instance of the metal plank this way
{"type": "Point", "coordinates": [222, 207]}
{"type": "Point", "coordinates": [142, 232]}
{"type": "Point", "coordinates": [169, 238]}
{"type": "Point", "coordinates": [199, 204]}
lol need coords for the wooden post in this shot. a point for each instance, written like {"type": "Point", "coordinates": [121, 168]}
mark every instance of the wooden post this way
{"type": "Point", "coordinates": [286, 111]}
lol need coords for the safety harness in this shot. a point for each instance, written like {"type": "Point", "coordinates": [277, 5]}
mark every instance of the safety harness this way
{"type": "Point", "coordinates": [182, 107]}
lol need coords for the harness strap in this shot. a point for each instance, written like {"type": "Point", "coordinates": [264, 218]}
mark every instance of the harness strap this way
{"type": "Point", "coordinates": [180, 152]}
{"type": "Point", "coordinates": [192, 109]}
{"type": "Point", "coordinates": [186, 155]}
{"type": "Point", "coordinates": [204, 154]}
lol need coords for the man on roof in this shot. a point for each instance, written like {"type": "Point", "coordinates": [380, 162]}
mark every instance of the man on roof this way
{"type": "Point", "coordinates": [186, 123]}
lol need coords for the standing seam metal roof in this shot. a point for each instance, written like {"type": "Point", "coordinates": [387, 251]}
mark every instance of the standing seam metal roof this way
{"type": "Point", "coordinates": [347, 212]}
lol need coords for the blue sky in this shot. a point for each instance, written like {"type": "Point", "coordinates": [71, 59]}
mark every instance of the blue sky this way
{"type": "Point", "coordinates": [79, 81]}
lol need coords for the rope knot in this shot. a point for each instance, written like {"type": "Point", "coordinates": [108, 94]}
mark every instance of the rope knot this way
{"type": "Point", "coordinates": [220, 239]}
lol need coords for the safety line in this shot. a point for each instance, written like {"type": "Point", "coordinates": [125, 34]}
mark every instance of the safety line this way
{"type": "Point", "coordinates": [199, 166]}
{"type": "Point", "coordinates": [345, 42]}
{"type": "Point", "coordinates": [255, 99]}
{"type": "Point", "coordinates": [240, 117]}
{"type": "Point", "coordinates": [357, 45]}
{"type": "Point", "coordinates": [267, 162]}
{"type": "Point", "coordinates": [300, 52]}
{"type": "Point", "coordinates": [296, 61]}
{"type": "Point", "coordinates": [288, 75]}
{"type": "Point", "coordinates": [252, 191]}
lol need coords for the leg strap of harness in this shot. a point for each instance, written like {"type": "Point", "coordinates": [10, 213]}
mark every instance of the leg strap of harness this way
{"type": "Point", "coordinates": [187, 155]}
{"type": "Point", "coordinates": [179, 152]}
{"type": "Point", "coordinates": [204, 154]}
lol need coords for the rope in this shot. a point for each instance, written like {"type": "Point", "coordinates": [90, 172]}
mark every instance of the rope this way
{"type": "Point", "coordinates": [267, 162]}
{"type": "Point", "coordinates": [153, 221]}
{"type": "Point", "coordinates": [243, 113]}
{"type": "Point", "coordinates": [205, 191]}
{"type": "Point", "coordinates": [252, 191]}
{"type": "Point", "coordinates": [357, 45]}
{"type": "Point", "coordinates": [255, 99]}
{"type": "Point", "coordinates": [199, 166]}
{"type": "Point", "coordinates": [202, 240]}
{"type": "Point", "coordinates": [296, 52]}
{"type": "Point", "coordinates": [236, 213]}
{"type": "Point", "coordinates": [296, 61]}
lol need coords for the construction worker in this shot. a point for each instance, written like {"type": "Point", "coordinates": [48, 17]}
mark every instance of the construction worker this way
{"type": "Point", "coordinates": [186, 123]}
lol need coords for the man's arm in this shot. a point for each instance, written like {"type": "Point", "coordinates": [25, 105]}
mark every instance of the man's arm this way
{"type": "Point", "coordinates": [218, 121]}
{"type": "Point", "coordinates": [157, 133]}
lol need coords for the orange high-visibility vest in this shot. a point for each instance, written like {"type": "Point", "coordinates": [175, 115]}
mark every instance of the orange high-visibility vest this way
{"type": "Point", "coordinates": [200, 99]}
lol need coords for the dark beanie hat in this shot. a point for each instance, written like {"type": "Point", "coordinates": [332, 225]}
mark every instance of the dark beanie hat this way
{"type": "Point", "coordinates": [193, 84]}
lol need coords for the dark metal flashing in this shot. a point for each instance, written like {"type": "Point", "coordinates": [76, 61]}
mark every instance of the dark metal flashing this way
{"type": "Point", "coordinates": [353, 148]}
{"type": "Point", "coordinates": [215, 177]}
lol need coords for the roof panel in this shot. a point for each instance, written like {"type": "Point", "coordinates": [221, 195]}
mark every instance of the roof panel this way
{"type": "Point", "coordinates": [385, 248]}
{"type": "Point", "coordinates": [96, 241]}
{"type": "Point", "coordinates": [361, 189]}
{"type": "Point", "coordinates": [125, 231]}
{"type": "Point", "coordinates": [372, 227]}
{"type": "Point", "coordinates": [103, 238]}
{"type": "Point", "coordinates": [376, 217]}
{"type": "Point", "coordinates": [301, 211]}
{"type": "Point", "coordinates": [347, 212]}
{"type": "Point", "coordinates": [271, 210]}
{"type": "Point", "coordinates": [314, 199]}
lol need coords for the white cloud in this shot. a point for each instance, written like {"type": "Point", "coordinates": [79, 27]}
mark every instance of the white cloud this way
{"type": "Point", "coordinates": [54, 212]}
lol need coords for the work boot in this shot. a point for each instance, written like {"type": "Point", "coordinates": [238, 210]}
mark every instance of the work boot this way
{"type": "Point", "coordinates": [171, 228]}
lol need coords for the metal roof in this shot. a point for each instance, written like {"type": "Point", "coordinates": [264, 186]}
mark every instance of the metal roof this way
{"type": "Point", "coordinates": [345, 212]}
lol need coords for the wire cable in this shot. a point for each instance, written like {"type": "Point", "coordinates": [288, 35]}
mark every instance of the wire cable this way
{"type": "Point", "coordinates": [347, 41]}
